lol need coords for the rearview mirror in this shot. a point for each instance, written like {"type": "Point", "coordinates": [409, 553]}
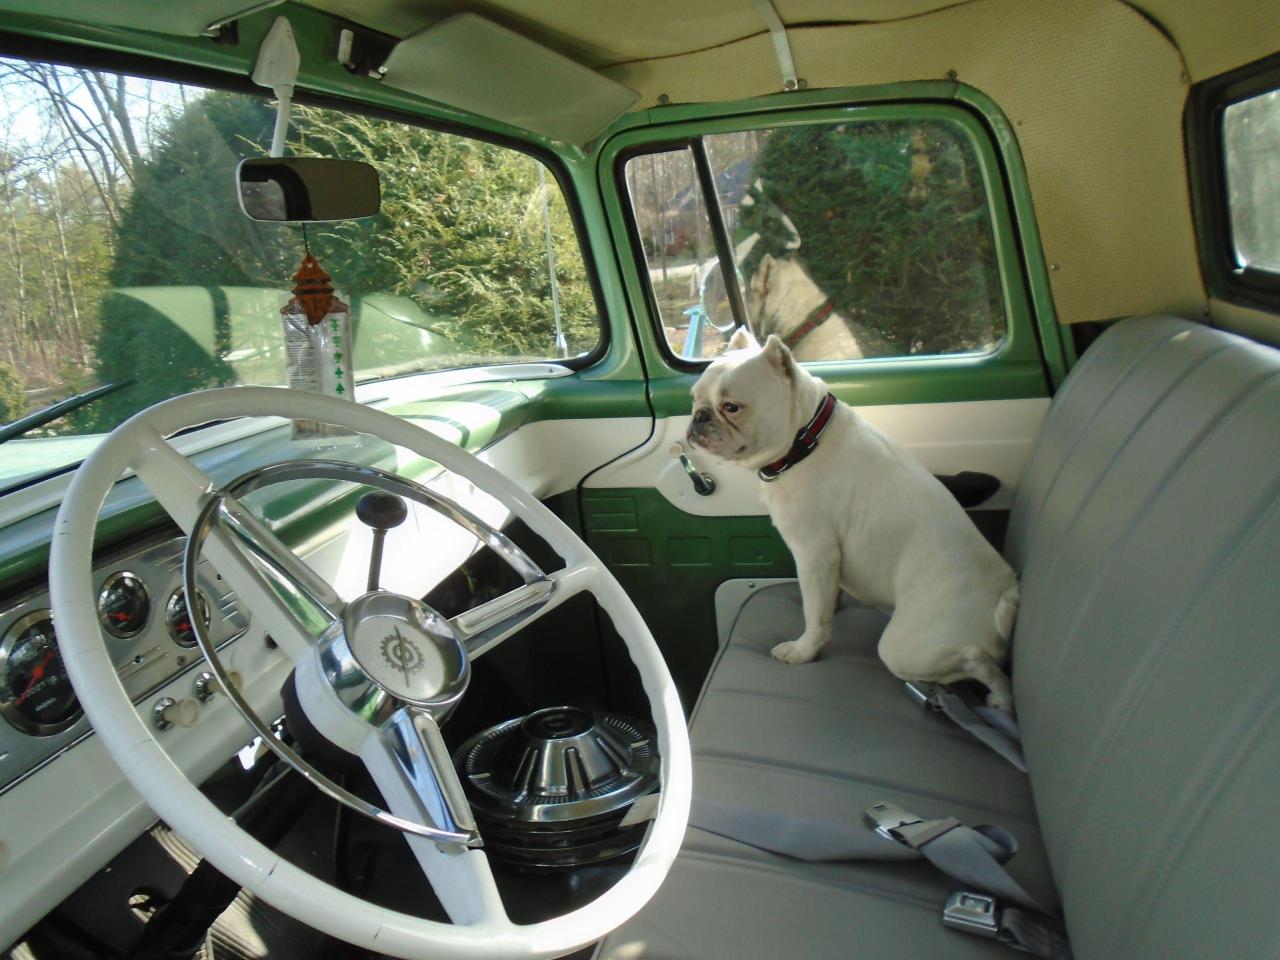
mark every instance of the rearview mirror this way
{"type": "Point", "coordinates": [307, 189]}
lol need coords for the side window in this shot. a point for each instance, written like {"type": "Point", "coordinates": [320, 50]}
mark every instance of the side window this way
{"type": "Point", "coordinates": [127, 261]}
{"type": "Point", "coordinates": [1251, 151]}
{"type": "Point", "coordinates": [849, 241]}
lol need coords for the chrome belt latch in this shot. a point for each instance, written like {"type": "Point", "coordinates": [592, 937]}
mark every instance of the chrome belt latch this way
{"type": "Point", "coordinates": [975, 913]}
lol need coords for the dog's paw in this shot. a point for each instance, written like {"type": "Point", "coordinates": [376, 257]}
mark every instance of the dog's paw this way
{"type": "Point", "coordinates": [1002, 700]}
{"type": "Point", "coordinates": [793, 651]}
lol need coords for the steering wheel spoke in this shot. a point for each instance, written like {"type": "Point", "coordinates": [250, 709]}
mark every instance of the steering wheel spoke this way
{"type": "Point", "coordinates": [177, 484]}
{"type": "Point", "coordinates": [409, 761]}
{"type": "Point", "coordinates": [488, 624]}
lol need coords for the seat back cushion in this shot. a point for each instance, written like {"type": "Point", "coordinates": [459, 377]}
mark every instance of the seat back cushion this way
{"type": "Point", "coordinates": [1147, 647]}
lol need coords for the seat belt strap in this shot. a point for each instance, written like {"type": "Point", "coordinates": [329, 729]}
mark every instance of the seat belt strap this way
{"type": "Point", "coordinates": [972, 855]}
{"type": "Point", "coordinates": [995, 728]}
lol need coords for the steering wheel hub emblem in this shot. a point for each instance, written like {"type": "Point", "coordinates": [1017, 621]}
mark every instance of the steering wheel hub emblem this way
{"type": "Point", "coordinates": [402, 653]}
{"type": "Point", "coordinates": [402, 647]}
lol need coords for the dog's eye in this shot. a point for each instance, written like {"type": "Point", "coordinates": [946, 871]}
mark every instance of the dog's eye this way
{"type": "Point", "coordinates": [730, 407]}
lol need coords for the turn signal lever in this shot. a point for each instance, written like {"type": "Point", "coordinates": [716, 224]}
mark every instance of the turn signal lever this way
{"type": "Point", "coordinates": [704, 484]}
{"type": "Point", "coordinates": [380, 511]}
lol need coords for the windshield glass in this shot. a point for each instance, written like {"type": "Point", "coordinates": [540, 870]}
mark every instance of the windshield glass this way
{"type": "Point", "coordinates": [127, 257]}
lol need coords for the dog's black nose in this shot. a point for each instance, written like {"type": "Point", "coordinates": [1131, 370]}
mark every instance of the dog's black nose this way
{"type": "Point", "coordinates": [702, 415]}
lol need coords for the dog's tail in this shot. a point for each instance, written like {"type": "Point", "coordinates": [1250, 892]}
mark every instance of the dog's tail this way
{"type": "Point", "coordinates": [1006, 612]}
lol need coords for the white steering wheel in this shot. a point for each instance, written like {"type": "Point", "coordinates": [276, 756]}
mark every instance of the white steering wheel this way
{"type": "Point", "coordinates": [345, 685]}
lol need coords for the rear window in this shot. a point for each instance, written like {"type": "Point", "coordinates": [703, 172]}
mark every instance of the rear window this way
{"type": "Point", "coordinates": [1251, 149]}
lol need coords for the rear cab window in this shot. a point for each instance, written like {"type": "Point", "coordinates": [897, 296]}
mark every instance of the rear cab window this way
{"type": "Point", "coordinates": [1233, 142]}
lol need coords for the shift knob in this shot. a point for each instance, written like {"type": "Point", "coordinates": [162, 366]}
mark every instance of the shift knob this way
{"type": "Point", "coordinates": [382, 511]}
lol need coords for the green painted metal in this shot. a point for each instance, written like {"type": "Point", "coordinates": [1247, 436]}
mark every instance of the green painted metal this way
{"type": "Point", "coordinates": [670, 564]}
{"type": "Point", "coordinates": [939, 380]}
{"type": "Point", "coordinates": [1009, 372]}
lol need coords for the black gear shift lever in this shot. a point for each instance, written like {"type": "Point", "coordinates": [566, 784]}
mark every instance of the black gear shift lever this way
{"type": "Point", "coordinates": [380, 511]}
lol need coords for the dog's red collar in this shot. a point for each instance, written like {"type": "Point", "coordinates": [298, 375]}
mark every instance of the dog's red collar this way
{"type": "Point", "coordinates": [805, 443]}
{"type": "Point", "coordinates": [815, 319]}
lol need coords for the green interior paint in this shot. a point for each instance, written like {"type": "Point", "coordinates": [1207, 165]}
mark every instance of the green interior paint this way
{"type": "Point", "coordinates": [670, 564]}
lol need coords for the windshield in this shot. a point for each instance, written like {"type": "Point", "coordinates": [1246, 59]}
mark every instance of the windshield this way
{"type": "Point", "coordinates": [128, 261]}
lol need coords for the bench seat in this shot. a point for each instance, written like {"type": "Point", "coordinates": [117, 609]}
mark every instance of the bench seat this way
{"type": "Point", "coordinates": [1146, 668]}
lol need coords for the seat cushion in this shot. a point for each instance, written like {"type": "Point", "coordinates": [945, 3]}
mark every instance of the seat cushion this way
{"type": "Point", "coordinates": [823, 740]}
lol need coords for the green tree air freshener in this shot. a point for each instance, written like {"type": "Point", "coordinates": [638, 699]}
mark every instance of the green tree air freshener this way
{"type": "Point", "coordinates": [317, 340]}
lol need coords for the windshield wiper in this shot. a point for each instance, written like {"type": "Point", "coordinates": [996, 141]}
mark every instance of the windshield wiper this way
{"type": "Point", "coordinates": [59, 409]}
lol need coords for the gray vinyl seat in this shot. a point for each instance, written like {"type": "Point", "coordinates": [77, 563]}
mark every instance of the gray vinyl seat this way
{"type": "Point", "coordinates": [1147, 680]}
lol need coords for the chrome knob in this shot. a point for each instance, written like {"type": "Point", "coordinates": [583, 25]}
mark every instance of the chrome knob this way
{"type": "Point", "coordinates": [168, 713]}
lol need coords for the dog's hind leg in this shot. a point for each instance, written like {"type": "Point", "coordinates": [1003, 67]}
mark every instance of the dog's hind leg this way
{"type": "Point", "coordinates": [984, 668]}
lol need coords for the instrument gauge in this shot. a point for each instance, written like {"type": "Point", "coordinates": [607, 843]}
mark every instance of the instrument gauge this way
{"type": "Point", "coordinates": [36, 695]}
{"type": "Point", "coordinates": [178, 617]}
{"type": "Point", "coordinates": [123, 605]}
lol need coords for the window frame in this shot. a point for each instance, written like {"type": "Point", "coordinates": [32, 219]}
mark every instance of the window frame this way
{"type": "Point", "coordinates": [18, 46]}
{"type": "Point", "coordinates": [1210, 196]}
{"type": "Point", "coordinates": [1016, 344]}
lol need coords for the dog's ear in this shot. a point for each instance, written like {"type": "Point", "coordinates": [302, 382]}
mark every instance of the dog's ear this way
{"type": "Point", "coordinates": [779, 356]}
{"type": "Point", "coordinates": [742, 339]}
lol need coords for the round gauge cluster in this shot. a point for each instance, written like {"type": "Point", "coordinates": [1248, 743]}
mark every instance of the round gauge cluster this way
{"type": "Point", "coordinates": [123, 605]}
{"type": "Point", "coordinates": [178, 617]}
{"type": "Point", "coordinates": [35, 692]}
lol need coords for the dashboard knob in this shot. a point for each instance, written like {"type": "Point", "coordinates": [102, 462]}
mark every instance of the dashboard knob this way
{"type": "Point", "coordinates": [205, 687]}
{"type": "Point", "coordinates": [169, 712]}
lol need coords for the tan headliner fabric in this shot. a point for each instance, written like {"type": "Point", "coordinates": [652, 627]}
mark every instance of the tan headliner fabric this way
{"type": "Point", "coordinates": [1216, 36]}
{"type": "Point", "coordinates": [1096, 94]}
{"type": "Point", "coordinates": [599, 32]}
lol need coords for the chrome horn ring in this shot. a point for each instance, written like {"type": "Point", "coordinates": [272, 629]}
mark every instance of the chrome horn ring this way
{"type": "Point", "coordinates": [370, 688]}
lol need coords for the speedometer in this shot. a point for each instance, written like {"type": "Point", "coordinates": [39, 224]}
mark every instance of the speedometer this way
{"type": "Point", "coordinates": [36, 695]}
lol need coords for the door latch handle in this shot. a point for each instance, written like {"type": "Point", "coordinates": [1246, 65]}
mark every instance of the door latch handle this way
{"type": "Point", "coordinates": [704, 484]}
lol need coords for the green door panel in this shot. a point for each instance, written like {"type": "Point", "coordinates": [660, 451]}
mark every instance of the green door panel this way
{"type": "Point", "coordinates": [670, 564]}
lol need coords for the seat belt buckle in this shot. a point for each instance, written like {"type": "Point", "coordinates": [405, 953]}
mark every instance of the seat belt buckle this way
{"type": "Point", "coordinates": [887, 816]}
{"type": "Point", "coordinates": [925, 695]}
{"type": "Point", "coordinates": [976, 913]}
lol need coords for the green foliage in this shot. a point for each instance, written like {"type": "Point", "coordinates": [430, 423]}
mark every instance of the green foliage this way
{"type": "Point", "coordinates": [894, 228]}
{"type": "Point", "coordinates": [460, 238]}
{"type": "Point", "coordinates": [13, 399]}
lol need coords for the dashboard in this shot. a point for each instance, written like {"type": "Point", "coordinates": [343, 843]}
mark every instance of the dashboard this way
{"type": "Point", "coordinates": [146, 623]}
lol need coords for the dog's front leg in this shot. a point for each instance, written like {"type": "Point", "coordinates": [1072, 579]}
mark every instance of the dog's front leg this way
{"type": "Point", "coordinates": [819, 574]}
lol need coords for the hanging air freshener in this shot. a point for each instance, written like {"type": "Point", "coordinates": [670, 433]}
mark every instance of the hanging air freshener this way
{"type": "Point", "coordinates": [317, 338]}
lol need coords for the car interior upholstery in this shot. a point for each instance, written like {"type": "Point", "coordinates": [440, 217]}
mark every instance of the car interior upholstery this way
{"type": "Point", "coordinates": [367, 592]}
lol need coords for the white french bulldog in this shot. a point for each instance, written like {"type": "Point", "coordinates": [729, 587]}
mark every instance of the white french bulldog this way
{"type": "Point", "coordinates": [859, 511]}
